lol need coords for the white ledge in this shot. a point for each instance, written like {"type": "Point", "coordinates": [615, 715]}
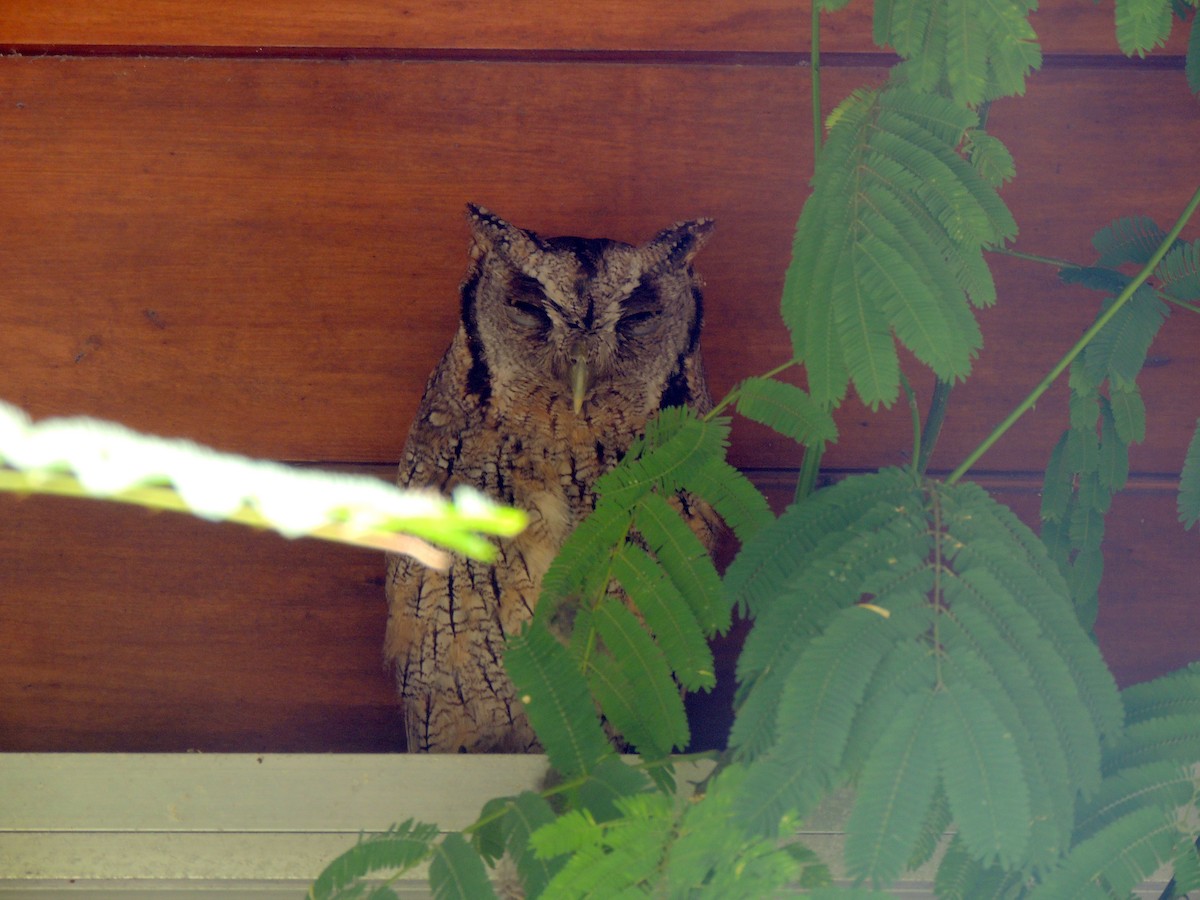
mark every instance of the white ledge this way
{"type": "Point", "coordinates": [254, 827]}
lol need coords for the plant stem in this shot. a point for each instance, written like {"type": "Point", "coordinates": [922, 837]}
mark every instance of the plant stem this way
{"type": "Point", "coordinates": [933, 423]}
{"type": "Point", "coordinates": [1034, 257]}
{"type": "Point", "coordinates": [1066, 361]}
{"type": "Point", "coordinates": [915, 411]}
{"type": "Point", "coordinates": [735, 390]}
{"type": "Point", "coordinates": [809, 470]}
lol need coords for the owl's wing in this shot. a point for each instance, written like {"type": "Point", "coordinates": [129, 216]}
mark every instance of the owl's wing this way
{"type": "Point", "coordinates": [445, 632]}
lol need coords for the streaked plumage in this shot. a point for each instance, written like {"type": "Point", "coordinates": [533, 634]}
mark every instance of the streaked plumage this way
{"type": "Point", "coordinates": [564, 349]}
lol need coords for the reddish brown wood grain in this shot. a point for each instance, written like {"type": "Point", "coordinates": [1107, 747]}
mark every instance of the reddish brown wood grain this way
{"type": "Point", "coordinates": [127, 630]}
{"type": "Point", "coordinates": [131, 631]}
{"type": "Point", "coordinates": [758, 26]}
{"type": "Point", "coordinates": [526, 24]}
{"type": "Point", "coordinates": [265, 255]}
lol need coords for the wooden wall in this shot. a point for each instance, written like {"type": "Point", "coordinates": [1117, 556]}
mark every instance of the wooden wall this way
{"type": "Point", "coordinates": [243, 223]}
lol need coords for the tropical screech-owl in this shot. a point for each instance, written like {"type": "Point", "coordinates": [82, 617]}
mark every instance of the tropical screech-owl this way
{"type": "Point", "coordinates": [565, 347]}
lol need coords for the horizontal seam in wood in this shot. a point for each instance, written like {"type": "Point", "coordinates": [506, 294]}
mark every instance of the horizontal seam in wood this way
{"type": "Point", "coordinates": [748, 58]}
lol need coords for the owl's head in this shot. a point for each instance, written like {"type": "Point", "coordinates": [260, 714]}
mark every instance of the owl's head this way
{"type": "Point", "coordinates": [586, 320]}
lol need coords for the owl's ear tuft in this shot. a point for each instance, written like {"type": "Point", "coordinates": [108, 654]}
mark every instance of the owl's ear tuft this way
{"type": "Point", "coordinates": [677, 246]}
{"type": "Point", "coordinates": [490, 232]}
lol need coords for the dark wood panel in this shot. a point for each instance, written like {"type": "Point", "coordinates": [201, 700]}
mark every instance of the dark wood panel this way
{"type": "Point", "coordinates": [122, 630]}
{"type": "Point", "coordinates": [125, 630]}
{"type": "Point", "coordinates": [525, 24]}
{"type": "Point", "coordinates": [265, 255]}
{"type": "Point", "coordinates": [1063, 26]}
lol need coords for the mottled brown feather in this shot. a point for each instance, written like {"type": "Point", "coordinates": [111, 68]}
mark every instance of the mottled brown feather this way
{"type": "Point", "coordinates": [499, 414]}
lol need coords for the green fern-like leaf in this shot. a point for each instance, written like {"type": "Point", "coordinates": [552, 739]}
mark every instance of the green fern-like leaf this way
{"type": "Point", "coordinates": [580, 567]}
{"type": "Point", "coordinates": [457, 872]}
{"type": "Point", "coordinates": [1118, 352]}
{"type": "Point", "coordinates": [889, 244]}
{"type": "Point", "coordinates": [787, 409]}
{"type": "Point", "coordinates": [398, 849]}
{"type": "Point", "coordinates": [657, 847]}
{"type": "Point", "coordinates": [1057, 759]}
{"type": "Point", "coordinates": [982, 776]}
{"type": "Point", "coordinates": [1056, 484]}
{"type": "Point", "coordinates": [1096, 278]}
{"type": "Point", "coordinates": [734, 497]}
{"type": "Point", "coordinates": [975, 52]}
{"type": "Point", "coordinates": [606, 785]}
{"type": "Point", "coordinates": [826, 520]}
{"type": "Point", "coordinates": [685, 560]}
{"type": "Point", "coordinates": [990, 158]}
{"type": "Point", "coordinates": [1133, 823]}
{"type": "Point", "coordinates": [962, 877]}
{"type": "Point", "coordinates": [1166, 785]}
{"type": "Point", "coordinates": [1164, 722]}
{"type": "Point", "coordinates": [906, 671]}
{"type": "Point", "coordinates": [708, 850]}
{"type": "Point", "coordinates": [634, 685]}
{"type": "Point", "coordinates": [1129, 414]}
{"type": "Point", "coordinates": [895, 791]}
{"type": "Point", "coordinates": [704, 471]}
{"type": "Point", "coordinates": [993, 539]}
{"type": "Point", "coordinates": [1179, 272]}
{"type": "Point", "coordinates": [1127, 240]}
{"type": "Point", "coordinates": [817, 708]}
{"type": "Point", "coordinates": [667, 616]}
{"type": "Point", "coordinates": [1119, 856]}
{"type": "Point", "coordinates": [1176, 694]}
{"type": "Point", "coordinates": [846, 567]}
{"type": "Point", "coordinates": [1142, 25]}
{"type": "Point", "coordinates": [675, 441]}
{"type": "Point", "coordinates": [1113, 469]}
{"type": "Point", "coordinates": [556, 699]}
{"type": "Point", "coordinates": [526, 813]}
{"type": "Point", "coordinates": [840, 541]}
{"type": "Point", "coordinates": [1192, 62]}
{"type": "Point", "coordinates": [1186, 864]}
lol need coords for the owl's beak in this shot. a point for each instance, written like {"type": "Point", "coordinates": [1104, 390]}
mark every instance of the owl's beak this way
{"type": "Point", "coordinates": [579, 382]}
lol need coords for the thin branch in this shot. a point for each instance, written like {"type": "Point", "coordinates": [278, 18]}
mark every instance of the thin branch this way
{"type": "Point", "coordinates": [1066, 361]}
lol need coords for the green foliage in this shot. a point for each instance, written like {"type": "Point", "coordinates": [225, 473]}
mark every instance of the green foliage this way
{"type": "Point", "coordinates": [555, 696]}
{"type": "Point", "coordinates": [972, 52]}
{"type": "Point", "coordinates": [1189, 482]}
{"type": "Point", "coordinates": [660, 847]}
{"type": "Point", "coordinates": [1144, 814]}
{"type": "Point", "coordinates": [628, 604]}
{"type": "Point", "coordinates": [785, 408]}
{"type": "Point", "coordinates": [397, 850]}
{"type": "Point", "coordinates": [457, 872]}
{"type": "Point", "coordinates": [911, 639]}
{"type": "Point", "coordinates": [890, 242]}
{"type": "Point", "coordinates": [1142, 25]}
{"type": "Point", "coordinates": [938, 602]}
{"type": "Point", "coordinates": [1091, 461]}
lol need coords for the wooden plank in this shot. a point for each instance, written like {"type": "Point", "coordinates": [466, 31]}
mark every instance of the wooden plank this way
{"type": "Point", "coordinates": [265, 255]}
{"type": "Point", "coordinates": [129, 631]}
{"type": "Point", "coordinates": [1064, 26]}
{"type": "Point", "coordinates": [157, 632]}
{"type": "Point", "coordinates": [526, 24]}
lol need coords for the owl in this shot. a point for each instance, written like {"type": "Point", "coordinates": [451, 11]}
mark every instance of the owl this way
{"type": "Point", "coordinates": [565, 347]}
